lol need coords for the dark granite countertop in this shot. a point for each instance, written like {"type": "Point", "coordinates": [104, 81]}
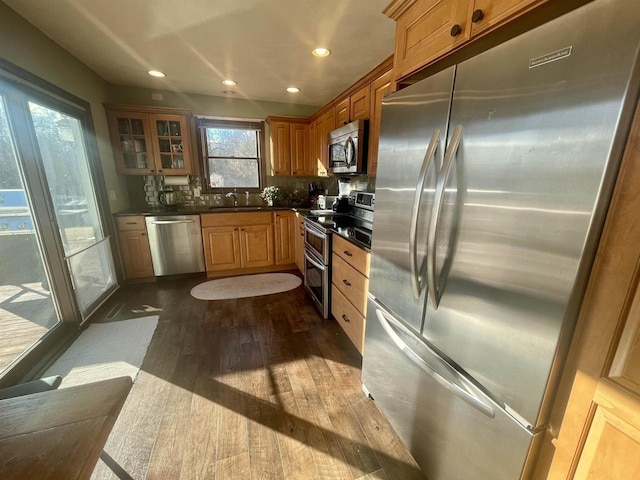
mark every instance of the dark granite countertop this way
{"type": "Point", "coordinates": [149, 211]}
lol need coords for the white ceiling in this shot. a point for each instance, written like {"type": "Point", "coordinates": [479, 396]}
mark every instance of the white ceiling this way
{"type": "Point", "coordinates": [264, 45]}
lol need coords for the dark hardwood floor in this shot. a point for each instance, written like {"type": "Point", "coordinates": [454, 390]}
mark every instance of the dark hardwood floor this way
{"type": "Point", "coordinates": [256, 388]}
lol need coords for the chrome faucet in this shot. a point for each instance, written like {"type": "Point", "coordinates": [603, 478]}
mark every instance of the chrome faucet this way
{"type": "Point", "coordinates": [233, 194]}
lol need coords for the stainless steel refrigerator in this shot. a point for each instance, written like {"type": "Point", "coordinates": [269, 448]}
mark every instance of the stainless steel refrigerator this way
{"type": "Point", "coordinates": [494, 177]}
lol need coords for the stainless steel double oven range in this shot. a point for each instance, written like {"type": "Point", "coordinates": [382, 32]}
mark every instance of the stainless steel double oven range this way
{"type": "Point", "coordinates": [319, 226]}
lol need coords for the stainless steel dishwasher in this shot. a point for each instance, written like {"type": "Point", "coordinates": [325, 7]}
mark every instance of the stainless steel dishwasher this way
{"type": "Point", "coordinates": [176, 244]}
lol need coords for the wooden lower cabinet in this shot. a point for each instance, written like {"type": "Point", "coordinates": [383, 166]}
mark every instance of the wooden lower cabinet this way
{"type": "Point", "coordinates": [350, 285]}
{"type": "Point", "coordinates": [221, 248]}
{"type": "Point", "coordinates": [135, 252]}
{"type": "Point", "coordinates": [285, 226]}
{"type": "Point", "coordinates": [256, 246]}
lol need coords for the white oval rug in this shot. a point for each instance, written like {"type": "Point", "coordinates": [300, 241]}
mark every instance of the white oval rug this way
{"type": "Point", "coordinates": [246, 286]}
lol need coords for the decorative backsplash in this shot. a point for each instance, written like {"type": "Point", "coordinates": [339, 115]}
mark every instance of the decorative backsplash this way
{"type": "Point", "coordinates": [294, 191]}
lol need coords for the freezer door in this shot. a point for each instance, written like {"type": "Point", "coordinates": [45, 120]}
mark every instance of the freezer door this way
{"type": "Point", "coordinates": [526, 192]}
{"type": "Point", "coordinates": [412, 134]}
{"type": "Point", "coordinates": [452, 429]}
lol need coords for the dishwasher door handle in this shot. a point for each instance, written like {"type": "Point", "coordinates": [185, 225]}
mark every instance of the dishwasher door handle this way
{"type": "Point", "coordinates": [171, 222]}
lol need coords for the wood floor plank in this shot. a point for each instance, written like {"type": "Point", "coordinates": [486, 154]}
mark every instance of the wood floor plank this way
{"type": "Point", "coordinates": [389, 449]}
{"type": "Point", "coordinates": [166, 458]}
{"type": "Point", "coordinates": [377, 475]}
{"type": "Point", "coordinates": [359, 454]}
{"type": "Point", "coordinates": [296, 455]}
{"type": "Point", "coordinates": [233, 467]}
{"type": "Point", "coordinates": [199, 459]}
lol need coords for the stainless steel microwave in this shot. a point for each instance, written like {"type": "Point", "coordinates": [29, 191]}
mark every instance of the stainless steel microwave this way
{"type": "Point", "coordinates": [348, 148]}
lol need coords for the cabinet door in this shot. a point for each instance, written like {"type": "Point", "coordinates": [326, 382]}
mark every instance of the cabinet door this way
{"type": "Point", "coordinates": [280, 134]}
{"type": "Point", "coordinates": [320, 155]}
{"type": "Point", "coordinates": [328, 125]}
{"type": "Point", "coordinates": [342, 111]}
{"type": "Point", "coordinates": [300, 157]}
{"type": "Point", "coordinates": [256, 246]}
{"type": "Point", "coordinates": [284, 237]}
{"type": "Point", "coordinates": [135, 253]}
{"type": "Point", "coordinates": [488, 13]}
{"type": "Point", "coordinates": [221, 248]}
{"type": "Point", "coordinates": [360, 104]}
{"type": "Point", "coordinates": [171, 143]}
{"type": "Point", "coordinates": [428, 30]}
{"type": "Point", "coordinates": [132, 143]}
{"type": "Point", "coordinates": [379, 87]}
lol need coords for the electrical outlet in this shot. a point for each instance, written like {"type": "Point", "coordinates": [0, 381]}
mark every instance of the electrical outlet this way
{"type": "Point", "coordinates": [196, 192]}
{"type": "Point", "coordinates": [156, 96]}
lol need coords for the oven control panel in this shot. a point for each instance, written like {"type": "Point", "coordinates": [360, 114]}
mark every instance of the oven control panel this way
{"type": "Point", "coordinates": [364, 200]}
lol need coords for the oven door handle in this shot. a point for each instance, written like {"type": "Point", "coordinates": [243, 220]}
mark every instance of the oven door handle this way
{"type": "Point", "coordinates": [314, 262]}
{"type": "Point", "coordinates": [315, 232]}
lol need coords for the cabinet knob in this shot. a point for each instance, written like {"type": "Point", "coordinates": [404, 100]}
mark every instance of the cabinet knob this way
{"type": "Point", "coordinates": [348, 253]}
{"type": "Point", "coordinates": [346, 282]}
{"type": "Point", "coordinates": [477, 15]}
{"type": "Point", "coordinates": [344, 317]}
{"type": "Point", "coordinates": [456, 30]}
{"type": "Point", "coordinates": [159, 170]}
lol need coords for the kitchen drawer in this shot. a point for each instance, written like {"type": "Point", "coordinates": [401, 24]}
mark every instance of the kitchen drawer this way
{"type": "Point", "coordinates": [349, 318]}
{"type": "Point", "coordinates": [354, 256]}
{"type": "Point", "coordinates": [351, 283]}
{"type": "Point", "coordinates": [239, 219]}
{"type": "Point", "coordinates": [130, 222]}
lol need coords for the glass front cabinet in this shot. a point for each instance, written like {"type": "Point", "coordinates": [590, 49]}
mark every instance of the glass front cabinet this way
{"type": "Point", "coordinates": [152, 142]}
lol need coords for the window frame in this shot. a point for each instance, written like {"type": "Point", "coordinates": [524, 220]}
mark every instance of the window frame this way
{"type": "Point", "coordinates": [203, 123]}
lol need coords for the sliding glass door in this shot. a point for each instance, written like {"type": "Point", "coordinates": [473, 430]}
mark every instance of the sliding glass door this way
{"type": "Point", "coordinates": [27, 309]}
{"type": "Point", "coordinates": [56, 264]}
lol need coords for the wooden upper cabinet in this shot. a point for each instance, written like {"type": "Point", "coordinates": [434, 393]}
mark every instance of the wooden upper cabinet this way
{"type": "Point", "coordinates": [359, 104]}
{"type": "Point", "coordinates": [328, 125]}
{"type": "Point", "coordinates": [427, 30]}
{"type": "Point", "coordinates": [379, 87]}
{"type": "Point", "coordinates": [342, 112]}
{"type": "Point", "coordinates": [150, 142]}
{"type": "Point", "coordinates": [300, 154]}
{"type": "Point", "coordinates": [280, 134]}
{"type": "Point", "coordinates": [489, 13]}
{"type": "Point", "coordinates": [290, 144]}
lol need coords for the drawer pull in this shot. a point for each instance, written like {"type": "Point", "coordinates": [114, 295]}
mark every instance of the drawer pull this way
{"type": "Point", "coordinates": [347, 253]}
{"type": "Point", "coordinates": [132, 223]}
{"type": "Point", "coordinates": [347, 283]}
{"type": "Point", "coordinates": [344, 317]}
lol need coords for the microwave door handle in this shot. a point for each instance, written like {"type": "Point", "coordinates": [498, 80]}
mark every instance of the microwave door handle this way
{"type": "Point", "coordinates": [456, 387]}
{"type": "Point", "coordinates": [349, 151]}
{"type": "Point", "coordinates": [417, 283]}
{"type": "Point", "coordinates": [447, 164]}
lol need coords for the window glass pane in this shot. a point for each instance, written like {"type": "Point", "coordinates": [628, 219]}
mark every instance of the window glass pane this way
{"type": "Point", "coordinates": [67, 169]}
{"type": "Point", "coordinates": [225, 142]}
{"type": "Point", "coordinates": [233, 172]}
{"type": "Point", "coordinates": [27, 309]}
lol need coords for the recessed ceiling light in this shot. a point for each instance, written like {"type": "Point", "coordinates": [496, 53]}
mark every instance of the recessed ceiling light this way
{"type": "Point", "coordinates": [228, 92]}
{"type": "Point", "coordinates": [156, 73]}
{"type": "Point", "coordinates": [293, 89]}
{"type": "Point", "coordinates": [230, 83]}
{"type": "Point", "coordinates": [321, 52]}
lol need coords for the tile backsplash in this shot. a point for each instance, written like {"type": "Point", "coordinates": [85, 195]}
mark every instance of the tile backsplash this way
{"type": "Point", "coordinates": [294, 191]}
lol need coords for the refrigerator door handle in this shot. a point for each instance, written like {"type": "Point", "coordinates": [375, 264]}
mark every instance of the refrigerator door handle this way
{"type": "Point", "coordinates": [447, 164]}
{"type": "Point", "coordinates": [417, 283]}
{"type": "Point", "coordinates": [457, 387]}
